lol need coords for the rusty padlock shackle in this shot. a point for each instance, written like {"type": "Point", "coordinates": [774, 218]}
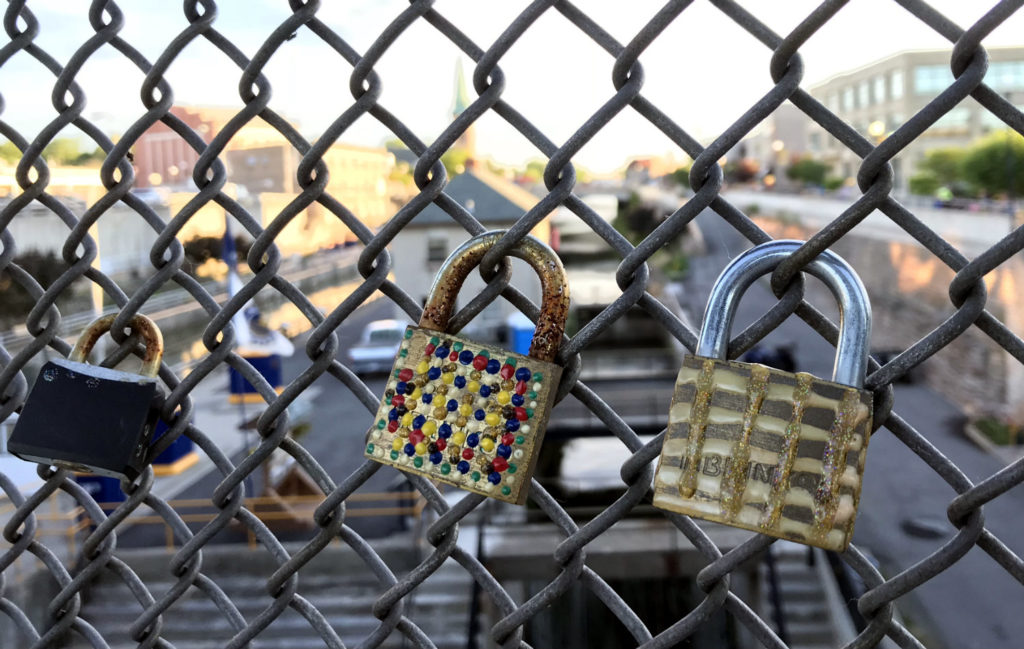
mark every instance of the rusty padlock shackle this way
{"type": "Point", "coordinates": [554, 308]}
{"type": "Point", "coordinates": [854, 306]}
{"type": "Point", "coordinates": [143, 325]}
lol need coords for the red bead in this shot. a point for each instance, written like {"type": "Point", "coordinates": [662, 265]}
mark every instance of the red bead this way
{"type": "Point", "coordinates": [441, 443]}
{"type": "Point", "coordinates": [507, 371]}
{"type": "Point", "coordinates": [454, 356]}
{"type": "Point", "coordinates": [429, 349]}
{"type": "Point", "coordinates": [480, 363]}
{"type": "Point", "coordinates": [397, 400]}
{"type": "Point", "coordinates": [405, 375]}
{"type": "Point", "coordinates": [499, 463]}
{"type": "Point", "coordinates": [521, 387]}
{"type": "Point", "coordinates": [467, 454]}
{"type": "Point", "coordinates": [521, 414]}
{"type": "Point", "coordinates": [392, 426]}
{"type": "Point", "coordinates": [415, 437]}
{"type": "Point", "coordinates": [508, 439]}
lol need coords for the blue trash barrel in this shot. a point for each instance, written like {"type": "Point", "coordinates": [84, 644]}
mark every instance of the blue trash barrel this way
{"type": "Point", "coordinates": [520, 333]}
{"type": "Point", "coordinates": [268, 365]}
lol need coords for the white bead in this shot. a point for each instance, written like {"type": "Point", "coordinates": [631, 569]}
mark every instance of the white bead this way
{"type": "Point", "coordinates": [518, 453]}
{"type": "Point", "coordinates": [524, 429]}
{"type": "Point", "coordinates": [533, 404]}
{"type": "Point", "coordinates": [510, 479]}
{"type": "Point", "coordinates": [375, 434]}
{"type": "Point", "coordinates": [488, 486]}
{"type": "Point", "coordinates": [536, 387]}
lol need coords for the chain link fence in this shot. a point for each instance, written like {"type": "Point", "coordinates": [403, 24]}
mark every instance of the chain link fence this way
{"type": "Point", "coordinates": [96, 556]}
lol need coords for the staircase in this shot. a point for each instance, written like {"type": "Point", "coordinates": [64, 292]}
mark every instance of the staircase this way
{"type": "Point", "coordinates": [342, 589]}
{"type": "Point", "coordinates": [809, 610]}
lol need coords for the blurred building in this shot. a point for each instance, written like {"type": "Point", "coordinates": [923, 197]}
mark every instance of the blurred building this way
{"type": "Point", "coordinates": [774, 143]}
{"type": "Point", "coordinates": [878, 98]}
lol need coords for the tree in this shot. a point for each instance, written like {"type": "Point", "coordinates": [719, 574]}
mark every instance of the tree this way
{"type": "Point", "coordinates": [808, 171]}
{"type": "Point", "coordinates": [681, 176]}
{"type": "Point", "coordinates": [996, 163]}
{"type": "Point", "coordinates": [9, 152]}
{"type": "Point", "coordinates": [454, 161]}
{"type": "Point", "coordinates": [924, 184]}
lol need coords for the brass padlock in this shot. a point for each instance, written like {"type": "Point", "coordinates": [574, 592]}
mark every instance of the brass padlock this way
{"type": "Point", "coordinates": [466, 413]}
{"type": "Point", "coordinates": [765, 450]}
{"type": "Point", "coordinates": [90, 418]}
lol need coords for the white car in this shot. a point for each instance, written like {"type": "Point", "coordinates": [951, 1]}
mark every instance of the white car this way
{"type": "Point", "coordinates": [375, 352]}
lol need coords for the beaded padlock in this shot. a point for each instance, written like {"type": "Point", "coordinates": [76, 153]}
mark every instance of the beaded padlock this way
{"type": "Point", "coordinates": [466, 413]}
{"type": "Point", "coordinates": [765, 450]}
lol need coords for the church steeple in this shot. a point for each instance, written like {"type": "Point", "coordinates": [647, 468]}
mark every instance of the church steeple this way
{"type": "Point", "coordinates": [467, 141]}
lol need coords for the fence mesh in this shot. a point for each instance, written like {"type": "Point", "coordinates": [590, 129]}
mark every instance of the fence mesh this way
{"type": "Point", "coordinates": [967, 293]}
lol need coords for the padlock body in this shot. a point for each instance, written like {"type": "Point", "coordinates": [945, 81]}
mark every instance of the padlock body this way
{"type": "Point", "coordinates": [765, 450]}
{"type": "Point", "coordinates": [87, 418]}
{"type": "Point", "coordinates": [464, 413]}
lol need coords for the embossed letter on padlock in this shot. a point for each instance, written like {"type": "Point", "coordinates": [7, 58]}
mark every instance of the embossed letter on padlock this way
{"type": "Point", "coordinates": [466, 413]}
{"type": "Point", "coordinates": [762, 449]}
{"type": "Point", "coordinates": [90, 418]}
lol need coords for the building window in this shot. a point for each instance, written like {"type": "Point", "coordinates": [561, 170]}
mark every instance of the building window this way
{"type": "Point", "coordinates": [1006, 75]}
{"type": "Point", "coordinates": [864, 94]}
{"type": "Point", "coordinates": [931, 79]}
{"type": "Point", "coordinates": [955, 119]}
{"type": "Point", "coordinates": [848, 98]}
{"type": "Point", "coordinates": [437, 249]}
{"type": "Point", "coordinates": [896, 84]}
{"type": "Point", "coordinates": [833, 102]}
{"type": "Point", "coordinates": [879, 89]}
{"type": "Point", "coordinates": [990, 121]}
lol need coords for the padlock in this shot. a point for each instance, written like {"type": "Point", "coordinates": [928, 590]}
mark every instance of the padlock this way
{"type": "Point", "coordinates": [466, 413]}
{"type": "Point", "coordinates": [762, 449]}
{"type": "Point", "coordinates": [89, 418]}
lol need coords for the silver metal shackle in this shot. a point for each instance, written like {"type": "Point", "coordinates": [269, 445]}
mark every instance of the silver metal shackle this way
{"type": "Point", "coordinates": [854, 306]}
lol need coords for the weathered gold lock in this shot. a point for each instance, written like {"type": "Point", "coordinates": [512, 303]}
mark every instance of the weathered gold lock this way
{"type": "Point", "coordinates": [466, 413]}
{"type": "Point", "coordinates": [765, 450]}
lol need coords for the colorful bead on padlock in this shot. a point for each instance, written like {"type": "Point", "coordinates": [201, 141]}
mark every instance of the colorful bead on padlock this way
{"type": "Point", "coordinates": [467, 413]}
{"type": "Point", "coordinates": [765, 450]}
{"type": "Point", "coordinates": [90, 418]}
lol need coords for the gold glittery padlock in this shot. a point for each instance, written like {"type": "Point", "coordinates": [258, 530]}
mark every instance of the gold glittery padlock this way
{"type": "Point", "coordinates": [765, 450]}
{"type": "Point", "coordinates": [467, 413]}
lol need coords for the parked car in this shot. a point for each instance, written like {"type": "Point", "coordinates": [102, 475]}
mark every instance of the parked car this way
{"type": "Point", "coordinates": [375, 352]}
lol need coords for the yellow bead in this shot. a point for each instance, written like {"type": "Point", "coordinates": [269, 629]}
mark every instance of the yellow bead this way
{"type": "Point", "coordinates": [466, 409]}
{"type": "Point", "coordinates": [458, 438]}
{"type": "Point", "coordinates": [487, 444]}
{"type": "Point", "coordinates": [417, 393]}
{"type": "Point", "coordinates": [448, 377]}
{"type": "Point", "coordinates": [492, 419]}
{"type": "Point", "coordinates": [504, 397]}
{"type": "Point", "coordinates": [407, 419]}
{"type": "Point", "coordinates": [474, 387]}
{"type": "Point", "coordinates": [397, 445]}
{"type": "Point", "coordinates": [429, 428]}
{"type": "Point", "coordinates": [421, 448]}
{"type": "Point", "coordinates": [423, 367]}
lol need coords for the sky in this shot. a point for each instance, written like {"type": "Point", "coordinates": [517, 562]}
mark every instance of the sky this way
{"type": "Point", "coordinates": [704, 71]}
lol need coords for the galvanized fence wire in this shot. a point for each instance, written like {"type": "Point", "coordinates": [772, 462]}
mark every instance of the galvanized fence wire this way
{"type": "Point", "coordinates": [967, 294]}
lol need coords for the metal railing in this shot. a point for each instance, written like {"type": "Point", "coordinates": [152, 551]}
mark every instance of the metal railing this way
{"type": "Point", "coordinates": [96, 552]}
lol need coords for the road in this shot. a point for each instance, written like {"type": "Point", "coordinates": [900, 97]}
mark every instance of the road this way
{"type": "Point", "coordinates": [970, 604]}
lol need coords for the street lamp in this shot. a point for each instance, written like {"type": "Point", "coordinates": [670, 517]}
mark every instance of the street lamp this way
{"type": "Point", "coordinates": [876, 130]}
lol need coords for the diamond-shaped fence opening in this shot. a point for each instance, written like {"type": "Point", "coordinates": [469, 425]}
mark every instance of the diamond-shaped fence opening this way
{"type": "Point", "coordinates": [152, 153]}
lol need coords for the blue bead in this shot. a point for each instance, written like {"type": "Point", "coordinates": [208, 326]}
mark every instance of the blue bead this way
{"type": "Point", "coordinates": [472, 440]}
{"type": "Point", "coordinates": [427, 398]}
{"type": "Point", "coordinates": [479, 414]}
{"type": "Point", "coordinates": [410, 450]}
{"type": "Point", "coordinates": [453, 405]}
{"type": "Point", "coordinates": [400, 387]}
{"type": "Point", "coordinates": [523, 374]}
{"type": "Point", "coordinates": [444, 430]}
{"type": "Point", "coordinates": [466, 357]}
{"type": "Point", "coordinates": [392, 415]}
{"type": "Point", "coordinates": [512, 425]}
{"type": "Point", "coordinates": [504, 451]}
{"type": "Point", "coordinates": [441, 352]}
{"type": "Point", "coordinates": [493, 366]}
{"type": "Point", "coordinates": [460, 381]}
{"type": "Point", "coordinates": [463, 466]}
{"type": "Point", "coordinates": [419, 421]}
{"type": "Point", "coordinates": [485, 390]}
{"type": "Point", "coordinates": [434, 373]}
{"type": "Point", "coordinates": [436, 457]}
{"type": "Point", "coordinates": [494, 478]}
{"type": "Point", "coordinates": [517, 400]}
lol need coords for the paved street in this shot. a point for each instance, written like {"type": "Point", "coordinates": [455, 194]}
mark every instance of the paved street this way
{"type": "Point", "coordinates": [968, 605]}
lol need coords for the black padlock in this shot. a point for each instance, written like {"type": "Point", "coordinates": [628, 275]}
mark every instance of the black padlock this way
{"type": "Point", "coordinates": [90, 418]}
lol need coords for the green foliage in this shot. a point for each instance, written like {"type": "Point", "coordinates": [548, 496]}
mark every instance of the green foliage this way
{"type": "Point", "coordinates": [636, 219]}
{"type": "Point", "coordinates": [808, 171]}
{"type": "Point", "coordinates": [200, 249]}
{"type": "Point", "coordinates": [833, 183]}
{"type": "Point", "coordinates": [681, 176]}
{"type": "Point", "coordinates": [534, 171]}
{"type": "Point", "coordinates": [944, 165]}
{"type": "Point", "coordinates": [999, 431]}
{"type": "Point", "coordinates": [753, 209]}
{"type": "Point", "coordinates": [454, 161]}
{"type": "Point", "coordinates": [996, 163]}
{"type": "Point", "coordinates": [44, 267]}
{"type": "Point", "coordinates": [9, 152]}
{"type": "Point", "coordinates": [924, 184]}
{"type": "Point", "coordinates": [677, 265]}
